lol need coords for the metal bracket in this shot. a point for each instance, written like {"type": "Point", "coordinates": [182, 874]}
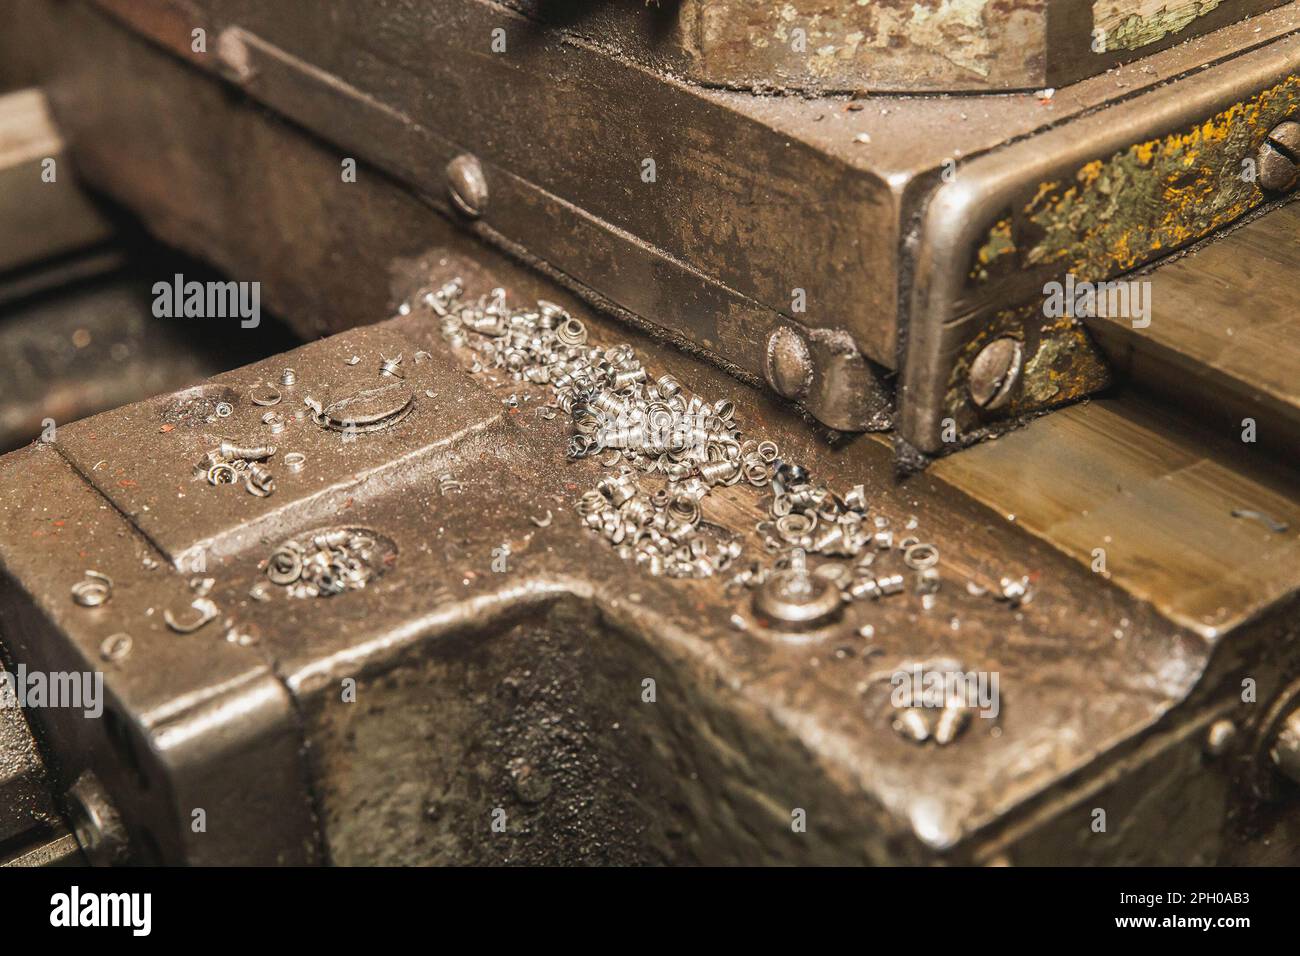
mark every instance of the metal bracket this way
{"type": "Point", "coordinates": [1095, 198]}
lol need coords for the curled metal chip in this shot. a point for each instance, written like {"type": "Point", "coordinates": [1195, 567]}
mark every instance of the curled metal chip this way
{"type": "Point", "coordinates": [370, 410]}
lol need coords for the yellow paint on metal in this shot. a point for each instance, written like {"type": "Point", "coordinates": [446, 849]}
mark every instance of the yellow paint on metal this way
{"type": "Point", "coordinates": [998, 244]}
{"type": "Point", "coordinates": [1115, 214]}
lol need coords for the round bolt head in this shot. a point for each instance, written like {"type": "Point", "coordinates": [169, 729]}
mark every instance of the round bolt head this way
{"type": "Point", "coordinates": [1286, 137]}
{"type": "Point", "coordinates": [789, 364]}
{"type": "Point", "coordinates": [95, 822]}
{"type": "Point", "coordinates": [995, 372]}
{"type": "Point", "coordinates": [1279, 158]}
{"type": "Point", "coordinates": [1277, 171]}
{"type": "Point", "coordinates": [794, 600]}
{"type": "Point", "coordinates": [467, 185]}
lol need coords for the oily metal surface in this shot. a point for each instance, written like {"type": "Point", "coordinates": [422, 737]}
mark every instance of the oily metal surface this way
{"type": "Point", "coordinates": [736, 695]}
{"type": "Point", "coordinates": [783, 715]}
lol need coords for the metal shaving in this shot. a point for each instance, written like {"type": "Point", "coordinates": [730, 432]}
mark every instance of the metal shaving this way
{"type": "Point", "coordinates": [329, 563]}
{"type": "Point", "coordinates": [669, 448]}
{"type": "Point", "coordinates": [230, 463]}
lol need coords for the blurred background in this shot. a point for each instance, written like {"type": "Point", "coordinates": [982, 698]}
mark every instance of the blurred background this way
{"type": "Point", "coordinates": [77, 329]}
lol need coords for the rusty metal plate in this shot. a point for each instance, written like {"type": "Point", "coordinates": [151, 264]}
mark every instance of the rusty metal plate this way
{"type": "Point", "coordinates": [188, 723]}
{"type": "Point", "coordinates": [1092, 199]}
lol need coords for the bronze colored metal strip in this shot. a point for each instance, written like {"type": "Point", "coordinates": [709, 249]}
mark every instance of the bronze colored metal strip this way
{"type": "Point", "coordinates": [1147, 504]}
{"type": "Point", "coordinates": [1223, 332]}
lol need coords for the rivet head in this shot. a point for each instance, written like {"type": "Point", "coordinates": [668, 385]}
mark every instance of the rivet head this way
{"type": "Point", "coordinates": [467, 185]}
{"type": "Point", "coordinates": [1279, 158]}
{"type": "Point", "coordinates": [1219, 738]}
{"type": "Point", "coordinates": [233, 56]}
{"type": "Point", "coordinates": [994, 373]}
{"type": "Point", "coordinates": [789, 365]}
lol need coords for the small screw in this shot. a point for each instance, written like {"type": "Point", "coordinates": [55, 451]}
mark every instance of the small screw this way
{"type": "Point", "coordinates": [993, 373]}
{"type": "Point", "coordinates": [467, 185]}
{"type": "Point", "coordinates": [1279, 158]}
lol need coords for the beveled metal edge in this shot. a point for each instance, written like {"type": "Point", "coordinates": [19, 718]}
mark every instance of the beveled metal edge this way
{"type": "Point", "coordinates": [223, 735]}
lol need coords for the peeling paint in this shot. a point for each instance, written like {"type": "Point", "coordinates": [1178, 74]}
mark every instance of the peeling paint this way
{"type": "Point", "coordinates": [1132, 24]}
{"type": "Point", "coordinates": [956, 29]}
{"type": "Point", "coordinates": [1056, 373]}
{"type": "Point", "coordinates": [998, 244]}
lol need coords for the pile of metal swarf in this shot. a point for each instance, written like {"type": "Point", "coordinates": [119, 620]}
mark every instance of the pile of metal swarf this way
{"type": "Point", "coordinates": [668, 449]}
{"type": "Point", "coordinates": [329, 562]}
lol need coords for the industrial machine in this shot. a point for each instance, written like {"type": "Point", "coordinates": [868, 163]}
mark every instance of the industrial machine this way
{"type": "Point", "coordinates": [706, 432]}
